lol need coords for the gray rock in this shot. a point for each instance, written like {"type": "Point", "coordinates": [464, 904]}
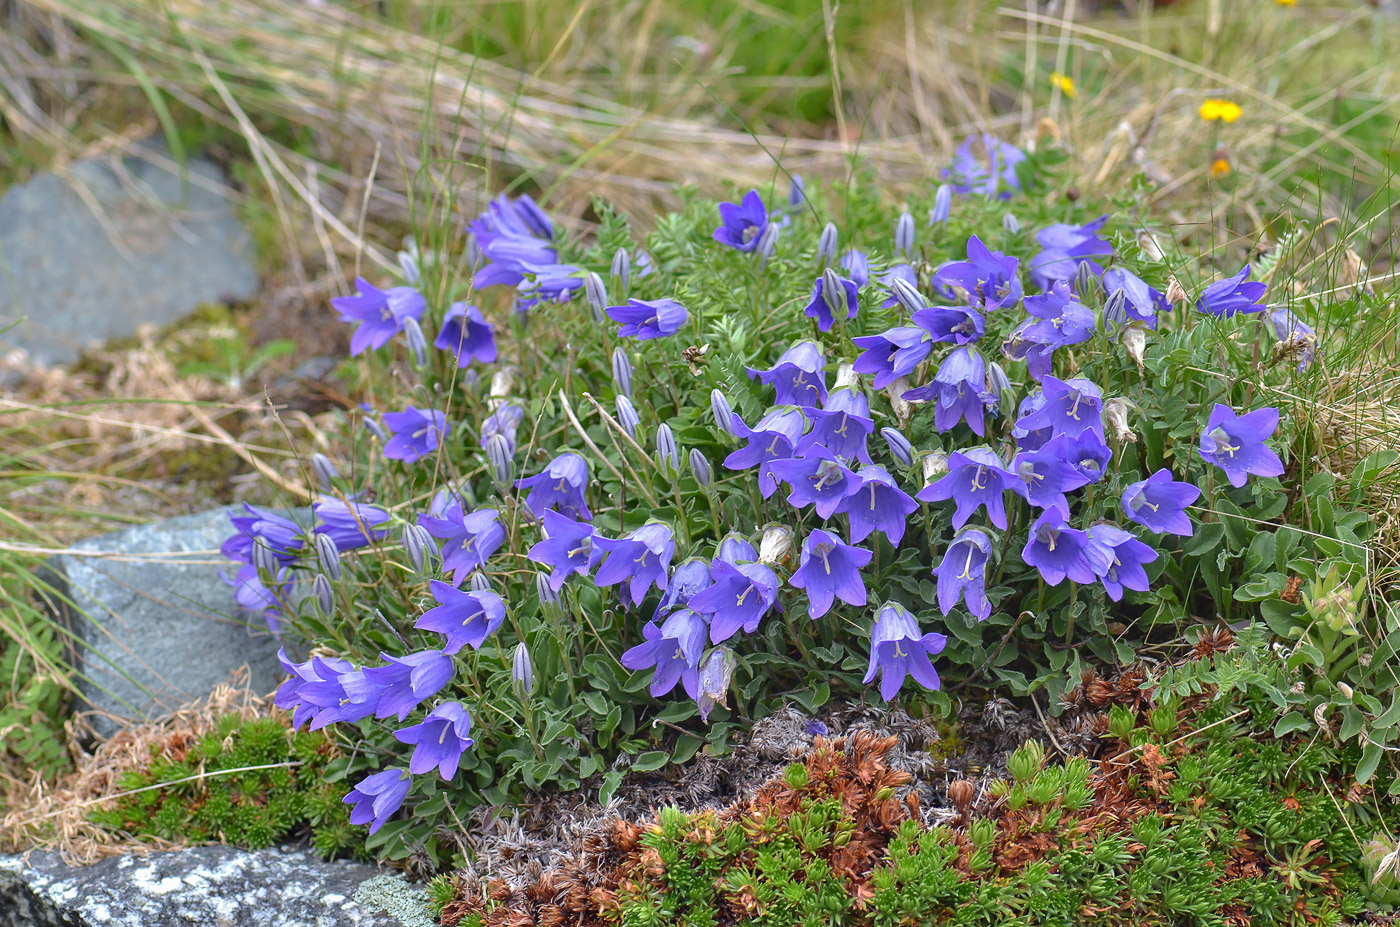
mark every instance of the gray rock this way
{"type": "Point", "coordinates": [208, 886]}
{"type": "Point", "coordinates": [113, 244]}
{"type": "Point", "coordinates": [154, 624]}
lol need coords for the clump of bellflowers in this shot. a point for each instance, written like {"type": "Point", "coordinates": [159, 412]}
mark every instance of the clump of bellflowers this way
{"type": "Point", "coordinates": [641, 491]}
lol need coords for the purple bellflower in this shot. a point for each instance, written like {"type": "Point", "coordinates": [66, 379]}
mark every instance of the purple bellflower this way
{"type": "Point", "coordinates": [798, 376]}
{"type": "Point", "coordinates": [1235, 443]}
{"type": "Point", "coordinates": [877, 503]}
{"type": "Point", "coordinates": [375, 799]}
{"type": "Point", "coordinates": [688, 579]}
{"type": "Point", "coordinates": [504, 422]}
{"type": "Point", "coordinates": [466, 619]}
{"type": "Point", "coordinates": [818, 308]}
{"type": "Point", "coordinates": [735, 549]}
{"type": "Point", "coordinates": [743, 223]}
{"type": "Point", "coordinates": [959, 391]}
{"type": "Point", "coordinates": [857, 267]}
{"type": "Point", "coordinates": [349, 524]}
{"type": "Point", "coordinates": [381, 313]}
{"type": "Point", "coordinates": [819, 480]}
{"type": "Point", "coordinates": [674, 648]}
{"type": "Point", "coordinates": [830, 569]}
{"type": "Point", "coordinates": [511, 258]}
{"type": "Point", "coordinates": [282, 536]}
{"type": "Point", "coordinates": [466, 333]}
{"type": "Point", "coordinates": [416, 433]}
{"type": "Point", "coordinates": [340, 692]}
{"type": "Point", "coordinates": [1065, 248]}
{"type": "Point", "coordinates": [990, 278]}
{"type": "Point", "coordinates": [1059, 551]}
{"type": "Point", "coordinates": [842, 426]}
{"type": "Point", "coordinates": [645, 319]}
{"type": "Point", "coordinates": [1067, 407]}
{"type": "Point", "coordinates": [1159, 503]}
{"type": "Point", "coordinates": [975, 477]}
{"type": "Point", "coordinates": [1030, 439]}
{"type": "Point", "coordinates": [773, 438]}
{"type": "Point", "coordinates": [568, 548]}
{"type": "Point", "coordinates": [560, 486]}
{"type": "Point", "coordinates": [470, 537]}
{"type": "Point", "coordinates": [1142, 302]}
{"type": "Point", "coordinates": [438, 740]}
{"type": "Point", "coordinates": [739, 596]}
{"type": "Point", "coordinates": [985, 165]}
{"type": "Point", "coordinates": [511, 218]}
{"type": "Point", "coordinates": [892, 354]}
{"type": "Point", "coordinates": [1043, 476]}
{"type": "Point", "coordinates": [1087, 452]}
{"type": "Point", "coordinates": [299, 675]}
{"type": "Point", "coordinates": [963, 573]}
{"type": "Point", "coordinates": [548, 283]}
{"type": "Point", "coordinates": [638, 558]}
{"type": "Point", "coordinates": [951, 324]}
{"type": "Point", "coordinates": [899, 649]}
{"type": "Point", "coordinates": [406, 681]}
{"type": "Point", "coordinates": [888, 277]}
{"type": "Point", "coordinates": [1060, 318]}
{"type": "Point", "coordinates": [1119, 559]}
{"type": "Point", "coordinates": [1233, 295]}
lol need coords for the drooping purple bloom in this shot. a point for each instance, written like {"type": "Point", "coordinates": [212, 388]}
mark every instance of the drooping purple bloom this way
{"type": "Point", "coordinates": [339, 691]}
{"type": "Point", "coordinates": [798, 376]}
{"type": "Point", "coordinates": [381, 313]}
{"type": "Point", "coordinates": [511, 218]}
{"type": "Point", "coordinates": [568, 548]}
{"type": "Point", "coordinates": [1159, 503]}
{"type": "Point", "coordinates": [739, 596]}
{"type": "Point", "coordinates": [688, 579]}
{"type": "Point", "coordinates": [504, 422]}
{"type": "Point", "coordinates": [466, 333]}
{"type": "Point", "coordinates": [290, 695]}
{"type": "Point", "coordinates": [715, 676]}
{"type": "Point", "coordinates": [560, 486]}
{"type": "Point", "coordinates": [1142, 302]}
{"type": "Point", "coordinates": [1119, 558]}
{"type": "Point", "coordinates": [406, 681]}
{"type": "Point", "coordinates": [639, 558]}
{"type": "Point", "coordinates": [771, 439]}
{"type": "Point", "coordinates": [1059, 551]}
{"type": "Point", "coordinates": [349, 524]}
{"type": "Point", "coordinates": [959, 391]}
{"type": "Point", "coordinates": [1225, 298]}
{"type": "Point", "coordinates": [1067, 407]}
{"type": "Point", "coordinates": [976, 477]}
{"type": "Point", "coordinates": [742, 224]}
{"type": "Point", "coordinates": [253, 595]}
{"type": "Point", "coordinates": [991, 279]}
{"type": "Point", "coordinates": [887, 278]}
{"type": "Point", "coordinates": [471, 537]}
{"type": "Point", "coordinates": [1065, 248]}
{"type": "Point", "coordinates": [985, 165]}
{"type": "Point", "coordinates": [279, 534]}
{"type": "Point", "coordinates": [898, 648]}
{"type": "Point", "coordinates": [439, 740]}
{"type": "Point", "coordinates": [1235, 443]}
{"type": "Point", "coordinates": [857, 267]}
{"type": "Point", "coordinates": [830, 569]}
{"type": "Point", "coordinates": [1060, 318]}
{"type": "Point", "coordinates": [548, 283]}
{"type": "Point", "coordinates": [674, 648]}
{"type": "Point", "coordinates": [1087, 452]}
{"type": "Point", "coordinates": [1043, 476]}
{"type": "Point", "coordinates": [645, 319]}
{"type": "Point", "coordinates": [951, 324]}
{"type": "Point", "coordinates": [963, 573]}
{"type": "Point", "coordinates": [466, 619]}
{"type": "Point", "coordinates": [819, 480]}
{"type": "Point", "coordinates": [818, 308]}
{"type": "Point", "coordinates": [877, 503]}
{"type": "Point", "coordinates": [1030, 439]}
{"type": "Point", "coordinates": [1294, 333]}
{"type": "Point", "coordinates": [842, 426]}
{"type": "Point", "coordinates": [510, 258]}
{"type": "Point", "coordinates": [735, 549]}
{"type": "Point", "coordinates": [416, 433]}
{"type": "Point", "coordinates": [375, 799]}
{"type": "Point", "coordinates": [892, 354]}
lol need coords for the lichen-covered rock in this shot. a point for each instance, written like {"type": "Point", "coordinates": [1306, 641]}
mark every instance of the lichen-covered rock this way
{"type": "Point", "coordinates": [208, 886]}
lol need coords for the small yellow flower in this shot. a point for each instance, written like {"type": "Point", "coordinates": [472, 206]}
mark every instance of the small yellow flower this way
{"type": "Point", "coordinates": [1223, 110]}
{"type": "Point", "coordinates": [1220, 162]}
{"type": "Point", "coordinates": [1064, 84]}
{"type": "Point", "coordinates": [1285, 2]}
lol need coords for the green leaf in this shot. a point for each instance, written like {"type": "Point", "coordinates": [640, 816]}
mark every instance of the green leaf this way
{"type": "Point", "coordinates": [1206, 539]}
{"type": "Point", "coordinates": [611, 780]}
{"type": "Point", "coordinates": [1293, 721]}
{"type": "Point", "coordinates": [650, 761]}
{"type": "Point", "coordinates": [1370, 759]}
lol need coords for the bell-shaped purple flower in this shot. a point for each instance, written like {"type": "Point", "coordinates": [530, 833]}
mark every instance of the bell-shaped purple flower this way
{"type": "Point", "coordinates": [339, 691]}
{"type": "Point", "coordinates": [963, 573]}
{"type": "Point", "coordinates": [1159, 503]}
{"type": "Point", "coordinates": [1067, 407]}
{"type": "Point", "coordinates": [639, 558]}
{"type": "Point", "coordinates": [511, 218]}
{"type": "Point", "coordinates": [1233, 295]}
{"type": "Point", "coordinates": [406, 681]}
{"type": "Point", "coordinates": [511, 258]}
{"type": "Point", "coordinates": [438, 740]}
{"type": "Point", "coordinates": [820, 307]}
{"type": "Point", "coordinates": [293, 694]}
{"type": "Point", "coordinates": [416, 433]}
{"type": "Point", "coordinates": [842, 426]}
{"type": "Point", "coordinates": [898, 649]}
{"type": "Point", "coordinates": [736, 549]}
{"type": "Point", "coordinates": [1235, 443]}
{"type": "Point", "coordinates": [349, 524]}
{"type": "Point", "coordinates": [742, 224]}
{"type": "Point", "coordinates": [1087, 452]}
{"type": "Point", "coordinates": [548, 283]}
{"type": "Point", "coordinates": [674, 648]}
{"type": "Point", "coordinates": [1060, 318]}
{"type": "Point", "coordinates": [857, 267]}
{"type": "Point", "coordinates": [466, 333]}
{"type": "Point", "coordinates": [1059, 551]}
{"type": "Point", "coordinates": [798, 376]}
{"type": "Point", "coordinates": [1043, 476]}
{"type": "Point", "coordinates": [976, 477]}
{"type": "Point", "coordinates": [991, 279]}
{"type": "Point", "coordinates": [470, 537]}
{"type": "Point", "coordinates": [876, 503]}
{"type": "Point", "coordinates": [504, 422]}
{"type": "Point", "coordinates": [466, 619]}
{"type": "Point", "coordinates": [951, 324]}
{"type": "Point", "coordinates": [687, 580]}
{"type": "Point", "coordinates": [739, 595]}
{"type": "Point", "coordinates": [279, 534]}
{"type": "Point", "coordinates": [1030, 439]}
{"type": "Point", "coordinates": [985, 165]}
{"type": "Point", "coordinates": [568, 548]}
{"type": "Point", "coordinates": [830, 569]}
{"type": "Point", "coordinates": [773, 438]}
{"type": "Point", "coordinates": [380, 313]}
{"type": "Point", "coordinates": [892, 354]}
{"type": "Point", "coordinates": [645, 319]}
{"type": "Point", "coordinates": [1119, 558]}
{"type": "Point", "coordinates": [1141, 301]}
{"type": "Point", "coordinates": [375, 799]}
{"type": "Point", "coordinates": [958, 391]}
{"type": "Point", "coordinates": [1065, 248]}
{"type": "Point", "coordinates": [819, 480]}
{"type": "Point", "coordinates": [560, 487]}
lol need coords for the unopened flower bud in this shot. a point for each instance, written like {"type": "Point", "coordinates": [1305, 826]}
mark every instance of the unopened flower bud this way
{"type": "Point", "coordinates": [473, 255]}
{"type": "Point", "coordinates": [416, 542]}
{"type": "Point", "coordinates": [621, 271]}
{"type": "Point", "coordinates": [1086, 284]}
{"type": "Point", "coordinates": [767, 243]}
{"type": "Point", "coordinates": [833, 293]}
{"type": "Point", "coordinates": [700, 468]}
{"type": "Point", "coordinates": [715, 674]}
{"type": "Point", "coordinates": [797, 192]}
{"type": "Point", "coordinates": [502, 383]}
{"type": "Point", "coordinates": [723, 414]}
{"type": "Point", "coordinates": [998, 383]}
{"type": "Point", "coordinates": [908, 295]}
{"type": "Point", "coordinates": [1134, 341]}
{"type": "Point", "coordinates": [479, 582]}
{"type": "Point", "coordinates": [827, 244]}
{"type": "Point", "coordinates": [622, 370]}
{"type": "Point", "coordinates": [323, 594]}
{"type": "Point", "coordinates": [408, 263]}
{"type": "Point", "coordinates": [900, 448]}
{"type": "Point", "coordinates": [1115, 412]}
{"type": "Point", "coordinates": [596, 293]}
{"type": "Point", "coordinates": [471, 380]}
{"type": "Point", "coordinates": [498, 455]}
{"type": "Point", "coordinates": [325, 471]}
{"type": "Point", "coordinates": [904, 234]}
{"type": "Point", "coordinates": [846, 376]}
{"type": "Point", "coordinates": [549, 598]}
{"type": "Point", "coordinates": [1010, 224]}
{"type": "Point", "coordinates": [374, 428]}
{"type": "Point", "coordinates": [934, 465]}
{"type": "Point", "coordinates": [264, 560]}
{"type": "Point", "coordinates": [1115, 310]}
{"type": "Point", "coordinates": [417, 344]}
{"type": "Point", "coordinates": [668, 456]}
{"type": "Point", "coordinates": [942, 205]}
{"type": "Point", "coordinates": [329, 555]}
{"type": "Point", "coordinates": [627, 416]}
{"type": "Point", "coordinates": [774, 544]}
{"type": "Point", "coordinates": [1151, 249]}
{"type": "Point", "coordinates": [522, 672]}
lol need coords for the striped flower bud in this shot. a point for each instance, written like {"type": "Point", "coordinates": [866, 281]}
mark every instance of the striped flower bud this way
{"type": "Point", "coordinates": [522, 673]}
{"type": "Point", "coordinates": [329, 555]}
{"type": "Point", "coordinates": [700, 468]}
{"type": "Point", "coordinates": [1010, 224]}
{"type": "Point", "coordinates": [498, 455]}
{"type": "Point", "coordinates": [374, 428]}
{"type": "Point", "coordinates": [264, 560]}
{"type": "Point", "coordinates": [942, 205]}
{"type": "Point", "coordinates": [408, 263]}
{"type": "Point", "coordinates": [325, 471]}
{"type": "Point", "coordinates": [1115, 311]}
{"type": "Point", "coordinates": [416, 542]}
{"type": "Point", "coordinates": [900, 448]}
{"type": "Point", "coordinates": [1086, 285]}
{"type": "Point", "coordinates": [549, 598]}
{"type": "Point", "coordinates": [323, 595]}
{"type": "Point", "coordinates": [767, 243]}
{"type": "Point", "coordinates": [998, 383]}
{"type": "Point", "coordinates": [797, 192]}
{"type": "Point", "coordinates": [908, 295]}
{"type": "Point", "coordinates": [723, 414]}
{"type": "Point", "coordinates": [834, 293]}
{"type": "Point", "coordinates": [716, 672]}
{"type": "Point", "coordinates": [622, 370]}
{"type": "Point", "coordinates": [479, 582]}
{"type": "Point", "coordinates": [621, 271]}
{"type": "Point", "coordinates": [417, 344]}
{"type": "Point", "coordinates": [627, 416]}
{"type": "Point", "coordinates": [904, 235]}
{"type": "Point", "coordinates": [668, 456]}
{"type": "Point", "coordinates": [596, 293]}
{"type": "Point", "coordinates": [827, 244]}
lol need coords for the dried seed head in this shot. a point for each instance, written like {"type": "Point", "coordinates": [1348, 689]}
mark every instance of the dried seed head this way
{"type": "Point", "coordinates": [960, 794]}
{"type": "Point", "coordinates": [774, 544]}
{"type": "Point", "coordinates": [934, 465]}
{"type": "Point", "coordinates": [846, 376]}
{"type": "Point", "coordinates": [1134, 341]}
{"type": "Point", "coordinates": [1151, 248]}
{"type": "Point", "coordinates": [1115, 412]}
{"type": "Point", "coordinates": [502, 383]}
{"type": "Point", "coordinates": [1176, 293]}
